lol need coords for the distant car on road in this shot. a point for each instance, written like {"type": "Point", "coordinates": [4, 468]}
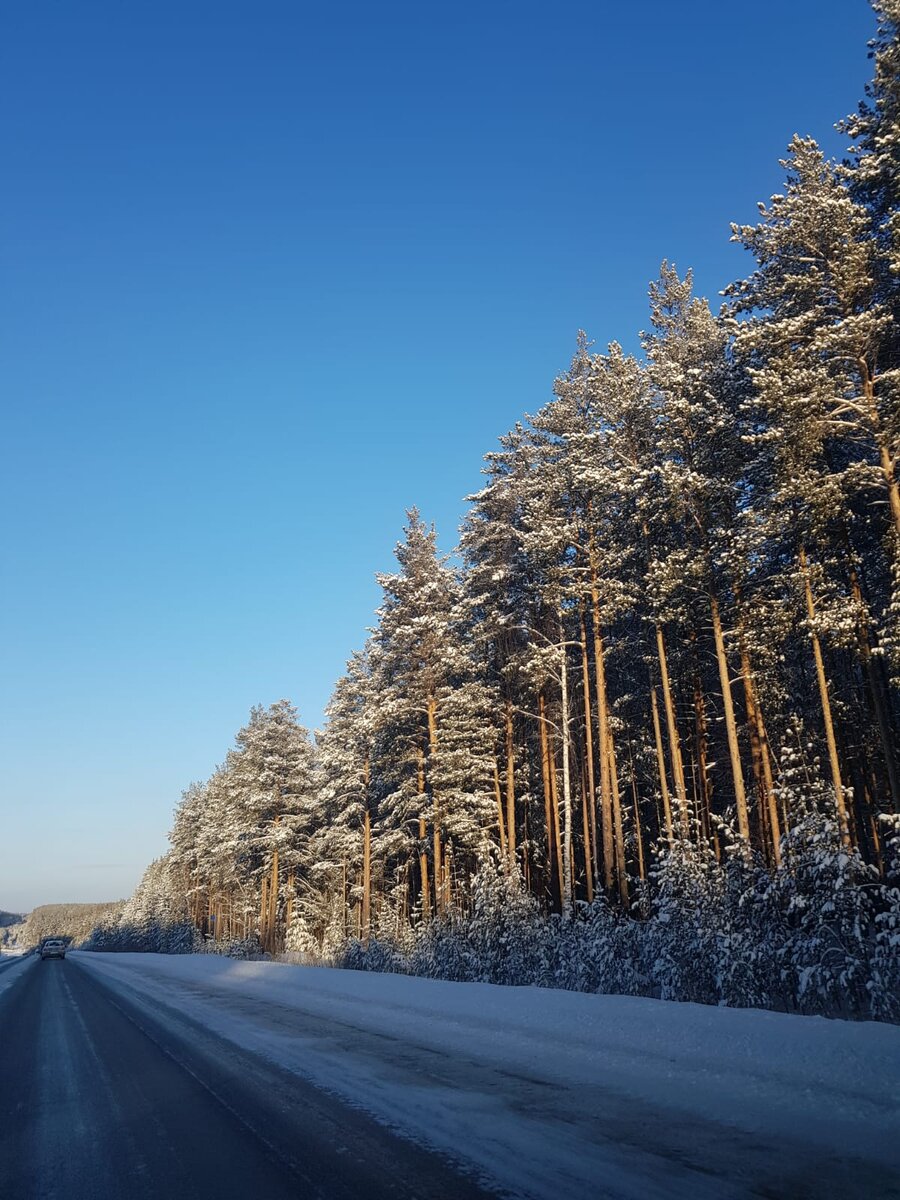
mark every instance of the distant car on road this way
{"type": "Point", "coordinates": [53, 948]}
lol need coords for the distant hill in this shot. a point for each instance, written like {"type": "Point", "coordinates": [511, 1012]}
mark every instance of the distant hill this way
{"type": "Point", "coordinates": [73, 921]}
{"type": "Point", "coordinates": [10, 928]}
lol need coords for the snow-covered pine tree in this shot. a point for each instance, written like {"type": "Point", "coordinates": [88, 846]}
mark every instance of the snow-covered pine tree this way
{"type": "Point", "coordinates": [872, 172]}
{"type": "Point", "coordinates": [155, 918]}
{"type": "Point", "coordinates": [434, 766]}
{"type": "Point", "coordinates": [346, 749]}
{"type": "Point", "coordinates": [272, 800]}
{"type": "Point", "coordinates": [873, 176]}
{"type": "Point", "coordinates": [503, 588]}
{"type": "Point", "coordinates": [573, 515]}
{"type": "Point", "coordinates": [827, 423]}
{"type": "Point", "coordinates": [701, 470]}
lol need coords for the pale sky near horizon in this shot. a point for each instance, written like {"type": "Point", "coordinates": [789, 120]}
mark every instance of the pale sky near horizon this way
{"type": "Point", "coordinates": [274, 273]}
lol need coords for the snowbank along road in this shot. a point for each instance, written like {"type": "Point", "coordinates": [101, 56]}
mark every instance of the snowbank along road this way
{"type": "Point", "coordinates": [144, 1075]}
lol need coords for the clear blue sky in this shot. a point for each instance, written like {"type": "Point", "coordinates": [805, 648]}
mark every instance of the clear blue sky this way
{"type": "Point", "coordinates": [273, 272]}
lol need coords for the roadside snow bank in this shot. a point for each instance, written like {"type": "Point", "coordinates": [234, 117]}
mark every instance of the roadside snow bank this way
{"type": "Point", "coordinates": [13, 968]}
{"type": "Point", "coordinates": [544, 1089]}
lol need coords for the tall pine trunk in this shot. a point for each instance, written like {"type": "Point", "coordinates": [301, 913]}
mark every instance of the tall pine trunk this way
{"type": "Point", "coordinates": [367, 876]}
{"type": "Point", "coordinates": [510, 788]}
{"type": "Point", "coordinates": [661, 764]}
{"type": "Point", "coordinates": [588, 750]}
{"type": "Point", "coordinates": [621, 868]}
{"type": "Point", "coordinates": [567, 782]}
{"type": "Point", "coordinates": [501, 822]}
{"type": "Point", "coordinates": [438, 859]}
{"type": "Point", "coordinates": [734, 754]}
{"type": "Point", "coordinates": [554, 813]}
{"type": "Point", "coordinates": [586, 836]}
{"type": "Point", "coordinates": [424, 887]}
{"type": "Point", "coordinates": [548, 772]}
{"type": "Point", "coordinates": [825, 699]}
{"type": "Point", "coordinates": [273, 905]}
{"type": "Point", "coordinates": [876, 692]}
{"type": "Point", "coordinates": [672, 728]}
{"type": "Point", "coordinates": [605, 748]}
{"type": "Point", "coordinates": [367, 856]}
{"type": "Point", "coordinates": [759, 749]}
{"type": "Point", "coordinates": [885, 456]}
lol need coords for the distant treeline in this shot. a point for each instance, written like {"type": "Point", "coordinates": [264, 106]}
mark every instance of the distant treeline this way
{"type": "Point", "coordinates": [72, 921]}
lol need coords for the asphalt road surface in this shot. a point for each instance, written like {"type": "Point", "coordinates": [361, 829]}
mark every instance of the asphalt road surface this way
{"type": "Point", "coordinates": [99, 1102]}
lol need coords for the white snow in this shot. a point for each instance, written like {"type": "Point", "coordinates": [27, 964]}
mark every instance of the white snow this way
{"type": "Point", "coordinates": [548, 1091]}
{"type": "Point", "coordinates": [13, 967]}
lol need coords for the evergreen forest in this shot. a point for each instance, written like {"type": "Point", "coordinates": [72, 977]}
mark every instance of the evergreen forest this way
{"type": "Point", "coordinates": [639, 734]}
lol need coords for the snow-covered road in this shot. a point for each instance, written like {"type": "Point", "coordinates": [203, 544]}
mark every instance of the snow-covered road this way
{"type": "Point", "coordinates": [554, 1093]}
{"type": "Point", "coordinates": [101, 1099]}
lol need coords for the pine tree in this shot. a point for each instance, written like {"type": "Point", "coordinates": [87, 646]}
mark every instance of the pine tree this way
{"type": "Point", "coordinates": [826, 419]}
{"type": "Point", "coordinates": [432, 774]}
{"type": "Point", "coordinates": [270, 779]}
{"type": "Point", "coordinates": [701, 469]}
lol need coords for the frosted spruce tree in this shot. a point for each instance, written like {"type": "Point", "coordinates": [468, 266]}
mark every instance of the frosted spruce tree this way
{"type": "Point", "coordinates": [701, 467]}
{"type": "Point", "coordinates": [433, 734]}
{"type": "Point", "coordinates": [346, 752]}
{"type": "Point", "coordinates": [270, 809]}
{"type": "Point", "coordinates": [811, 331]}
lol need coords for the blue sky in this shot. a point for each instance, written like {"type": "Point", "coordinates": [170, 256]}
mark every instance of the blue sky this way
{"type": "Point", "coordinates": [274, 272]}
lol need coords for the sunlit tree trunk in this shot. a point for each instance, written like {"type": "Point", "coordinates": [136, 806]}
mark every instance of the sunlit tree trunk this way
{"type": "Point", "coordinates": [586, 836]}
{"type": "Point", "coordinates": [345, 906]}
{"type": "Point", "coordinates": [588, 749]}
{"type": "Point", "coordinates": [367, 856]}
{"type": "Point", "coordinates": [604, 740]}
{"type": "Point", "coordinates": [885, 455]}
{"type": "Point", "coordinates": [621, 868]}
{"type": "Point", "coordinates": [737, 772]}
{"type": "Point", "coordinates": [438, 856]}
{"type": "Point", "coordinates": [762, 763]}
{"type": "Point", "coordinates": [510, 787]}
{"type": "Point", "coordinates": [264, 912]}
{"type": "Point", "coordinates": [366, 904]}
{"type": "Point", "coordinates": [566, 776]}
{"type": "Point", "coordinates": [273, 904]}
{"type": "Point", "coordinates": [425, 893]}
{"type": "Point", "coordinates": [672, 728]}
{"type": "Point", "coordinates": [554, 813]}
{"type": "Point", "coordinates": [830, 740]}
{"type": "Point", "coordinates": [548, 773]}
{"type": "Point", "coordinates": [638, 832]}
{"type": "Point", "coordinates": [675, 754]}
{"type": "Point", "coordinates": [498, 797]}
{"type": "Point", "coordinates": [661, 764]}
{"type": "Point", "coordinates": [703, 783]}
{"type": "Point", "coordinates": [289, 904]}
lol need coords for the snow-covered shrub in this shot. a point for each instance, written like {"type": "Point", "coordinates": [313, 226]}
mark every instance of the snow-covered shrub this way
{"type": "Point", "coordinates": [748, 971]}
{"type": "Point", "coordinates": [606, 952]}
{"type": "Point", "coordinates": [884, 983]}
{"type": "Point", "coordinates": [826, 895]}
{"type": "Point", "coordinates": [442, 952]}
{"type": "Point", "coordinates": [243, 948]}
{"type": "Point", "coordinates": [504, 938]}
{"type": "Point", "coordinates": [373, 955]}
{"type": "Point", "coordinates": [333, 936]}
{"type": "Point", "coordinates": [299, 941]}
{"type": "Point", "coordinates": [682, 951]}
